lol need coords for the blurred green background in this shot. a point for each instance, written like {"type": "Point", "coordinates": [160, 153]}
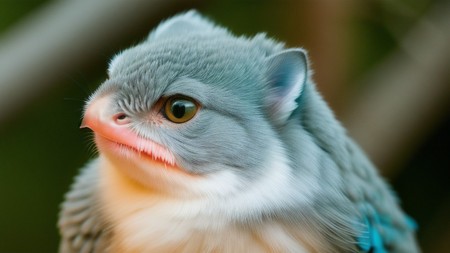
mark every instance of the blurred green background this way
{"type": "Point", "coordinates": [355, 49]}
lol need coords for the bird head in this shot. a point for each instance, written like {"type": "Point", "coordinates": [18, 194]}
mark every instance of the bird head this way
{"type": "Point", "coordinates": [193, 103]}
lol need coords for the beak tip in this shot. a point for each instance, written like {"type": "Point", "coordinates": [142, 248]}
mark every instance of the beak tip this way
{"type": "Point", "coordinates": [83, 124]}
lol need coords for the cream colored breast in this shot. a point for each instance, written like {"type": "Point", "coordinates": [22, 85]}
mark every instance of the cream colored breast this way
{"type": "Point", "coordinates": [146, 221]}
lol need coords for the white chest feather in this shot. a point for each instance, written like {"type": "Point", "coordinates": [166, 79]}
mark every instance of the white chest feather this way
{"type": "Point", "coordinates": [146, 221]}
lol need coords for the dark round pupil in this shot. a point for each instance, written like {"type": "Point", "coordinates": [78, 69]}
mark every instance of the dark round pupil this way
{"type": "Point", "coordinates": [179, 109]}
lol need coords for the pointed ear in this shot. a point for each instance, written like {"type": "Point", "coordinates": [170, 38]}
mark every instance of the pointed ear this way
{"type": "Point", "coordinates": [287, 74]}
{"type": "Point", "coordinates": [188, 22]}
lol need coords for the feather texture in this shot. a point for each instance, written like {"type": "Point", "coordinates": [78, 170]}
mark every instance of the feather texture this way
{"type": "Point", "coordinates": [81, 225]}
{"type": "Point", "coordinates": [263, 165]}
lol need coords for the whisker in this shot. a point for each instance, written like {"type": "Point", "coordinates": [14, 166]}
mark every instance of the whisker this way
{"type": "Point", "coordinates": [91, 147]}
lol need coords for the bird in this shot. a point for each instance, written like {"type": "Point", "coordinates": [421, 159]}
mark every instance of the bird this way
{"type": "Point", "coordinates": [212, 142]}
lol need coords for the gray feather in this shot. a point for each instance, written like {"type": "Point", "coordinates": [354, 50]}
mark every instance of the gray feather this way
{"type": "Point", "coordinates": [81, 225]}
{"type": "Point", "coordinates": [253, 92]}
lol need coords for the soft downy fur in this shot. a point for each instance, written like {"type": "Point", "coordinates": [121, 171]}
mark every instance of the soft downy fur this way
{"type": "Point", "coordinates": [267, 168]}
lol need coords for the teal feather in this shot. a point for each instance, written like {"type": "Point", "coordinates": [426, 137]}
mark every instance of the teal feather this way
{"type": "Point", "coordinates": [379, 231]}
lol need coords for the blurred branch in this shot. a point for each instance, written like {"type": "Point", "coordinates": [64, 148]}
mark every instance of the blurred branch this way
{"type": "Point", "coordinates": [62, 36]}
{"type": "Point", "coordinates": [326, 38]}
{"type": "Point", "coordinates": [407, 93]}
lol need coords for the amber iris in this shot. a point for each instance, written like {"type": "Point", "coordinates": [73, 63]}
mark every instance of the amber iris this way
{"type": "Point", "coordinates": [180, 109]}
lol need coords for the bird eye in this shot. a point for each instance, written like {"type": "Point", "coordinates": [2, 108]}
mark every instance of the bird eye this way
{"type": "Point", "coordinates": [180, 109]}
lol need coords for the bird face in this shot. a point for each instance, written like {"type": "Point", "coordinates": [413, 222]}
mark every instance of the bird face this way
{"type": "Point", "coordinates": [166, 115]}
{"type": "Point", "coordinates": [194, 105]}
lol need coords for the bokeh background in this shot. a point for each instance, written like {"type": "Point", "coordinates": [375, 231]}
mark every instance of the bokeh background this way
{"type": "Point", "coordinates": [382, 65]}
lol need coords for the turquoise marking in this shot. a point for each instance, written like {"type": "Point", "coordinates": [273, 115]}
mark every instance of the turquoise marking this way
{"type": "Point", "coordinates": [412, 223]}
{"type": "Point", "coordinates": [364, 240]}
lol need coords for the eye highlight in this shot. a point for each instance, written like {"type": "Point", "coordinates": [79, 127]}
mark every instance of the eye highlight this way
{"type": "Point", "coordinates": [180, 109]}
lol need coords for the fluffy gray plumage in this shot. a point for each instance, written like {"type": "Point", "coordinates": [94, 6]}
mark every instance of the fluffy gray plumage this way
{"type": "Point", "coordinates": [278, 159]}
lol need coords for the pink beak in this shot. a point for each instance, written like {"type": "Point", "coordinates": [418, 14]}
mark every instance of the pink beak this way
{"type": "Point", "coordinates": [115, 128]}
